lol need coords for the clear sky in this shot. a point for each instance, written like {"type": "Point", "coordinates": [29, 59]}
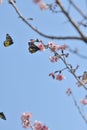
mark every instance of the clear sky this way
{"type": "Point", "coordinates": [24, 82]}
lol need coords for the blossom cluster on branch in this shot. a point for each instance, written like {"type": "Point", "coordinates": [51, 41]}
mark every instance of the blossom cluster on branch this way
{"type": "Point", "coordinates": [27, 123]}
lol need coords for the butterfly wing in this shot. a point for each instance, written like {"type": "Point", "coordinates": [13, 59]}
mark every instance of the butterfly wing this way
{"type": "Point", "coordinates": [8, 41]}
{"type": "Point", "coordinates": [32, 47]}
{"type": "Point", "coordinates": [84, 77]}
{"type": "Point", "coordinates": [2, 116]}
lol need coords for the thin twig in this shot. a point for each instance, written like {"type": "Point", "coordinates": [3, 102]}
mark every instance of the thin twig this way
{"type": "Point", "coordinates": [78, 9]}
{"type": "Point", "coordinates": [79, 110]}
{"type": "Point", "coordinates": [76, 52]}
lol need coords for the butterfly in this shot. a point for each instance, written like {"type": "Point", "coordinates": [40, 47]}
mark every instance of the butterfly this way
{"type": "Point", "coordinates": [32, 47]}
{"type": "Point", "coordinates": [84, 77]}
{"type": "Point", "coordinates": [2, 116]}
{"type": "Point", "coordinates": [8, 41]}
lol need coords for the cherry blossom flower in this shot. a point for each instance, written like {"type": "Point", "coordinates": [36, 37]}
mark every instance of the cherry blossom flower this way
{"type": "Point", "coordinates": [54, 58]}
{"type": "Point", "coordinates": [42, 5]}
{"type": "Point", "coordinates": [41, 46]}
{"type": "Point", "coordinates": [50, 44]}
{"type": "Point", "coordinates": [83, 101]}
{"type": "Point", "coordinates": [1, 1]}
{"type": "Point", "coordinates": [26, 120]}
{"type": "Point", "coordinates": [52, 74]}
{"type": "Point", "coordinates": [39, 126]}
{"type": "Point", "coordinates": [60, 77]}
{"type": "Point", "coordinates": [63, 47]}
{"type": "Point", "coordinates": [45, 127]}
{"type": "Point", "coordinates": [53, 46]}
{"type": "Point", "coordinates": [36, 1]}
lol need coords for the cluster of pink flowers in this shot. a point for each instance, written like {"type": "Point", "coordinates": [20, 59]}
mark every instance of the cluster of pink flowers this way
{"type": "Point", "coordinates": [26, 122]}
{"type": "Point", "coordinates": [41, 4]}
{"type": "Point", "coordinates": [83, 101]}
{"type": "Point", "coordinates": [55, 47]}
{"type": "Point", "coordinates": [39, 126]}
{"type": "Point", "coordinates": [54, 58]}
{"type": "Point", "coordinates": [41, 46]}
{"type": "Point", "coordinates": [58, 76]}
{"type": "Point", "coordinates": [25, 118]}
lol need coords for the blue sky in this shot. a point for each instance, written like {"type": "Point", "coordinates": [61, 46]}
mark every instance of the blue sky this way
{"type": "Point", "coordinates": [25, 84]}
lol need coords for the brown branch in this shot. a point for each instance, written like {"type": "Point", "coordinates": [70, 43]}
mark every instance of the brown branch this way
{"type": "Point", "coordinates": [71, 20]}
{"type": "Point", "coordinates": [78, 9]}
{"type": "Point", "coordinates": [40, 33]}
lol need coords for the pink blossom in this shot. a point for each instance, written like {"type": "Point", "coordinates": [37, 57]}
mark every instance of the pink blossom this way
{"type": "Point", "coordinates": [63, 47]}
{"type": "Point", "coordinates": [1, 1]}
{"type": "Point", "coordinates": [42, 5]}
{"type": "Point", "coordinates": [54, 58]}
{"type": "Point", "coordinates": [36, 1]}
{"type": "Point", "coordinates": [53, 75]}
{"type": "Point", "coordinates": [59, 77]}
{"type": "Point", "coordinates": [45, 127]}
{"type": "Point", "coordinates": [39, 126]}
{"type": "Point", "coordinates": [83, 101]}
{"type": "Point", "coordinates": [26, 119]}
{"type": "Point", "coordinates": [41, 46]}
{"type": "Point", "coordinates": [53, 46]}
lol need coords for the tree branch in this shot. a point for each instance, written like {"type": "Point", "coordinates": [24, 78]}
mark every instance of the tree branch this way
{"type": "Point", "coordinates": [71, 21]}
{"type": "Point", "coordinates": [40, 33]}
{"type": "Point", "coordinates": [71, 70]}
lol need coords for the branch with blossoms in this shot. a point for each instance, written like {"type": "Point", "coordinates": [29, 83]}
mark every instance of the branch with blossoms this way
{"type": "Point", "coordinates": [58, 54]}
{"type": "Point", "coordinates": [27, 123]}
{"type": "Point", "coordinates": [82, 101]}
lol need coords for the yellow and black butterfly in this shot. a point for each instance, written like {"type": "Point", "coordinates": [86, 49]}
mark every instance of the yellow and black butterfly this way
{"type": "Point", "coordinates": [8, 41]}
{"type": "Point", "coordinates": [32, 47]}
{"type": "Point", "coordinates": [2, 116]}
